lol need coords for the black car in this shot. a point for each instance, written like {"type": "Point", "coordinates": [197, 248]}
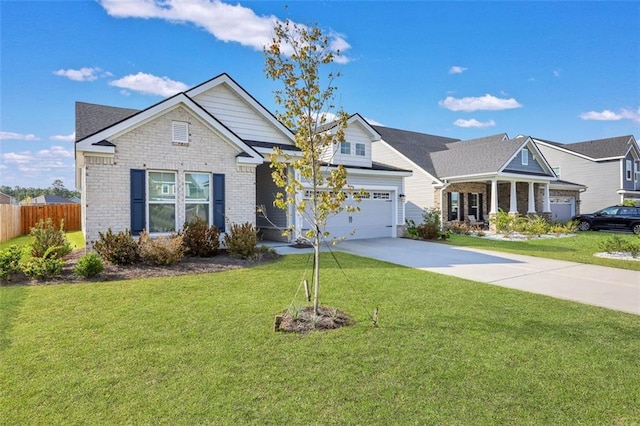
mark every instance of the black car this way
{"type": "Point", "coordinates": [623, 218]}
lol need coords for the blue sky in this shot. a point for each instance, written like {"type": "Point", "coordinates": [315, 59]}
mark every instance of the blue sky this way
{"type": "Point", "coordinates": [562, 71]}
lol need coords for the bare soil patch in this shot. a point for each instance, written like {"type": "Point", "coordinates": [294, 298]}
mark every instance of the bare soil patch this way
{"type": "Point", "coordinates": [305, 320]}
{"type": "Point", "coordinates": [188, 265]}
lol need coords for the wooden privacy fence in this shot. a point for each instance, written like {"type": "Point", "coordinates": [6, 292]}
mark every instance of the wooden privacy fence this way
{"type": "Point", "coordinates": [9, 222]}
{"type": "Point", "coordinates": [30, 215]}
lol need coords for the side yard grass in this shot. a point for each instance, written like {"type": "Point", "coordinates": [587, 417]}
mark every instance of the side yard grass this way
{"type": "Point", "coordinates": [76, 239]}
{"type": "Point", "coordinates": [200, 350]}
{"type": "Point", "coordinates": [579, 248]}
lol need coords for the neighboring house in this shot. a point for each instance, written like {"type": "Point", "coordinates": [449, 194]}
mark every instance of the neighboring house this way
{"type": "Point", "coordinates": [204, 153]}
{"type": "Point", "coordinates": [609, 168]}
{"type": "Point", "coordinates": [474, 177]}
{"type": "Point", "coordinates": [7, 199]}
{"type": "Point", "coordinates": [47, 200]}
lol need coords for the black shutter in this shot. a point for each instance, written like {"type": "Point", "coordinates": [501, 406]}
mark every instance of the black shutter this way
{"type": "Point", "coordinates": [218, 201]}
{"type": "Point", "coordinates": [138, 201]}
{"type": "Point", "coordinates": [470, 207]}
{"type": "Point", "coordinates": [461, 208]}
{"type": "Point", "coordinates": [480, 209]}
{"type": "Point", "coordinates": [449, 213]}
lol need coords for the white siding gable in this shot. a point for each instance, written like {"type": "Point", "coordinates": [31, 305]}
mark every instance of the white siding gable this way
{"type": "Point", "coordinates": [239, 116]}
{"type": "Point", "coordinates": [359, 141]}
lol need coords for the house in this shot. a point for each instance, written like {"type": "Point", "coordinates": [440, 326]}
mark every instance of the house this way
{"type": "Point", "coordinates": [474, 177]}
{"type": "Point", "coordinates": [205, 153]}
{"type": "Point", "coordinates": [49, 199]}
{"type": "Point", "coordinates": [7, 199]}
{"type": "Point", "coordinates": [610, 169]}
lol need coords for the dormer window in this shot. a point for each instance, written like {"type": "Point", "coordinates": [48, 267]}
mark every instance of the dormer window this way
{"type": "Point", "coordinates": [180, 132]}
{"type": "Point", "coordinates": [360, 149]}
{"type": "Point", "coordinates": [345, 148]}
{"type": "Point", "coordinates": [629, 169]}
{"type": "Point", "coordinates": [525, 157]}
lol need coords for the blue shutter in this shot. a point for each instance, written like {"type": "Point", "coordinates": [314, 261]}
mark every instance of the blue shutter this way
{"type": "Point", "coordinates": [218, 201]}
{"type": "Point", "coordinates": [138, 201]}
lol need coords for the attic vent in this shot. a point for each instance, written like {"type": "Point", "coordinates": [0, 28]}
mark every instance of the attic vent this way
{"type": "Point", "coordinates": [180, 132]}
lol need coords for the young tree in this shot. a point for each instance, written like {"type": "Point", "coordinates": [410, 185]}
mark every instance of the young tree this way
{"type": "Point", "coordinates": [294, 57]}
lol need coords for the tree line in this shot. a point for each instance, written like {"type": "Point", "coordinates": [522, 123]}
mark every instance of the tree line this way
{"type": "Point", "coordinates": [56, 188]}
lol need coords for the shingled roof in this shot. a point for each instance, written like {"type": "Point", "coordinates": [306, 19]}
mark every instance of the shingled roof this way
{"type": "Point", "coordinates": [91, 118]}
{"type": "Point", "coordinates": [601, 148]}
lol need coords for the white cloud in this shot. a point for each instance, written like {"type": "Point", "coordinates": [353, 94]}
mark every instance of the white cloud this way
{"type": "Point", "coordinates": [557, 72]}
{"type": "Point", "coordinates": [482, 103]}
{"type": "Point", "coordinates": [608, 115]}
{"type": "Point", "coordinates": [474, 123]}
{"type": "Point", "coordinates": [150, 84]}
{"type": "Point", "coordinates": [457, 70]}
{"type": "Point", "coordinates": [226, 22]}
{"type": "Point", "coordinates": [64, 138]}
{"type": "Point", "coordinates": [18, 136]}
{"type": "Point", "coordinates": [83, 74]}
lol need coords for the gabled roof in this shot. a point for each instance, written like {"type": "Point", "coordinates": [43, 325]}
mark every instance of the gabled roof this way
{"type": "Point", "coordinates": [598, 149]}
{"type": "Point", "coordinates": [353, 119]}
{"type": "Point", "coordinates": [50, 199]}
{"type": "Point", "coordinates": [91, 118]}
{"type": "Point", "coordinates": [476, 156]}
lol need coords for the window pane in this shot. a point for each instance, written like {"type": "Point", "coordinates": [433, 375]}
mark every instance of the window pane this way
{"type": "Point", "coordinates": [162, 218]}
{"type": "Point", "coordinates": [162, 186]}
{"type": "Point", "coordinates": [197, 186]}
{"type": "Point", "coordinates": [193, 211]}
{"type": "Point", "coordinates": [345, 147]}
{"type": "Point", "coordinates": [360, 150]}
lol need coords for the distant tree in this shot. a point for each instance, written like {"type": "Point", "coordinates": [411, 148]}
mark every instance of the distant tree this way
{"type": "Point", "coordinates": [294, 58]}
{"type": "Point", "coordinates": [21, 194]}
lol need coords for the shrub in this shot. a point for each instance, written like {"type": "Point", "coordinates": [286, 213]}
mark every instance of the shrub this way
{"type": "Point", "coordinates": [161, 251]}
{"type": "Point", "coordinates": [10, 262]}
{"type": "Point", "coordinates": [89, 265]}
{"type": "Point", "coordinates": [428, 231]}
{"type": "Point", "coordinates": [412, 229]}
{"type": "Point", "coordinates": [45, 267]}
{"type": "Point", "coordinates": [617, 244]}
{"type": "Point", "coordinates": [45, 236]}
{"type": "Point", "coordinates": [118, 249]}
{"type": "Point", "coordinates": [200, 240]}
{"type": "Point", "coordinates": [536, 225]}
{"type": "Point", "coordinates": [241, 241]}
{"type": "Point", "coordinates": [503, 222]}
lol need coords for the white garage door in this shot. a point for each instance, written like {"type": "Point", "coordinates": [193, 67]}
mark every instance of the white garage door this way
{"type": "Point", "coordinates": [374, 220]}
{"type": "Point", "coordinates": [562, 208]}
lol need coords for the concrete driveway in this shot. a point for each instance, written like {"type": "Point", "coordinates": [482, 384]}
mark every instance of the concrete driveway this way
{"type": "Point", "coordinates": [611, 288]}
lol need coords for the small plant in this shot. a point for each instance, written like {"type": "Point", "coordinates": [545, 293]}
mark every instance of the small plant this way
{"type": "Point", "coordinates": [241, 241]}
{"type": "Point", "coordinates": [200, 240]}
{"type": "Point", "coordinates": [118, 249]}
{"type": "Point", "coordinates": [161, 251]}
{"type": "Point", "coordinates": [46, 236]}
{"type": "Point", "coordinates": [10, 262]}
{"type": "Point", "coordinates": [45, 267]}
{"type": "Point", "coordinates": [89, 265]}
{"type": "Point", "coordinates": [411, 229]}
{"type": "Point", "coordinates": [428, 231]}
{"type": "Point", "coordinates": [504, 223]}
{"type": "Point", "coordinates": [617, 244]}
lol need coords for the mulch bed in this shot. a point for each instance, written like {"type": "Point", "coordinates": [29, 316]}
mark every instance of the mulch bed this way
{"type": "Point", "coordinates": [188, 265]}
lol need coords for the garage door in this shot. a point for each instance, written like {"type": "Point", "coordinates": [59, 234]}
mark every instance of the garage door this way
{"type": "Point", "coordinates": [562, 208]}
{"type": "Point", "coordinates": [374, 220]}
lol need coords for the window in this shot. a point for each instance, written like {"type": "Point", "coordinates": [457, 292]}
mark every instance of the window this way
{"type": "Point", "coordinates": [162, 201]}
{"type": "Point", "coordinates": [179, 132]}
{"type": "Point", "coordinates": [197, 197]}
{"type": "Point", "coordinates": [525, 157]}
{"type": "Point", "coordinates": [629, 169]}
{"type": "Point", "coordinates": [556, 170]}
{"type": "Point", "coordinates": [360, 149]}
{"type": "Point", "coordinates": [455, 202]}
{"type": "Point", "coordinates": [345, 148]}
{"type": "Point", "coordinates": [381, 196]}
{"type": "Point", "coordinates": [473, 205]}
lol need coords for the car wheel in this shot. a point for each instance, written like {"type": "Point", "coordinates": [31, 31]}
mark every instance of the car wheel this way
{"type": "Point", "coordinates": [636, 228]}
{"type": "Point", "coordinates": [584, 225]}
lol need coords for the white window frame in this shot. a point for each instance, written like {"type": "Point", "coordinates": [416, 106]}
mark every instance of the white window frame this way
{"type": "Point", "coordinates": [525, 156]}
{"type": "Point", "coordinates": [170, 190]}
{"type": "Point", "coordinates": [475, 196]}
{"type": "Point", "coordinates": [345, 148]}
{"type": "Point", "coordinates": [180, 132]}
{"type": "Point", "coordinates": [629, 170]}
{"type": "Point", "coordinates": [556, 170]}
{"type": "Point", "coordinates": [361, 149]}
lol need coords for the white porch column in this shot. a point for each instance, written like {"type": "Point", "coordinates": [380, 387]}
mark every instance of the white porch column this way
{"type": "Point", "coordinates": [547, 199]}
{"type": "Point", "coordinates": [494, 196]}
{"type": "Point", "coordinates": [513, 202]}
{"type": "Point", "coordinates": [532, 199]}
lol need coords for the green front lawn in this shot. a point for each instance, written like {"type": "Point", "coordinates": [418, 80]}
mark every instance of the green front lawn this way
{"type": "Point", "coordinates": [579, 248]}
{"type": "Point", "coordinates": [76, 239]}
{"type": "Point", "coordinates": [200, 350]}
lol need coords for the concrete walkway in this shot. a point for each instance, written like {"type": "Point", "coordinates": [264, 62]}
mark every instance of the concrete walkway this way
{"type": "Point", "coordinates": [612, 288]}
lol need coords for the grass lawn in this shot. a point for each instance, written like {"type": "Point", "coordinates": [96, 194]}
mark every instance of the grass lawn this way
{"type": "Point", "coordinates": [579, 248]}
{"type": "Point", "coordinates": [76, 239]}
{"type": "Point", "coordinates": [200, 350]}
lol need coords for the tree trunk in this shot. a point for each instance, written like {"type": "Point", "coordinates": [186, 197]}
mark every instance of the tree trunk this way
{"type": "Point", "coordinates": [316, 272]}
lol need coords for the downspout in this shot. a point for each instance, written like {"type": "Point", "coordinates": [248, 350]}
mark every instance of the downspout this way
{"type": "Point", "coordinates": [442, 188]}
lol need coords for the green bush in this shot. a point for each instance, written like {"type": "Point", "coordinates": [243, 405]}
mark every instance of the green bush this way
{"type": "Point", "coordinates": [45, 236]}
{"type": "Point", "coordinates": [118, 249]}
{"type": "Point", "coordinates": [10, 262]}
{"type": "Point", "coordinates": [161, 251]}
{"type": "Point", "coordinates": [241, 241]}
{"type": "Point", "coordinates": [428, 231]}
{"type": "Point", "coordinates": [89, 265]}
{"type": "Point", "coordinates": [504, 223]}
{"type": "Point", "coordinates": [45, 267]}
{"type": "Point", "coordinates": [617, 244]}
{"type": "Point", "coordinates": [412, 229]}
{"type": "Point", "coordinates": [200, 240]}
